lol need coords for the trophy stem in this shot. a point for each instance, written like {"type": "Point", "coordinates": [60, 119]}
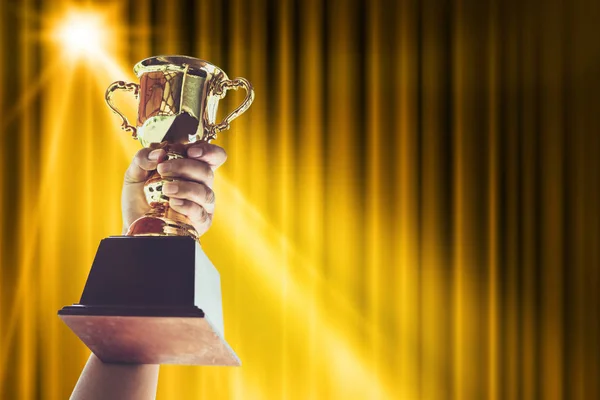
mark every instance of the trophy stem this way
{"type": "Point", "coordinates": [162, 220]}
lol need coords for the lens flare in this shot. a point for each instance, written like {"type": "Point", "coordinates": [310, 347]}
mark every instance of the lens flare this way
{"type": "Point", "coordinates": [82, 33]}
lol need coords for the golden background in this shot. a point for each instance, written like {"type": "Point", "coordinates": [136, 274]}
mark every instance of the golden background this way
{"type": "Point", "coordinates": [409, 209]}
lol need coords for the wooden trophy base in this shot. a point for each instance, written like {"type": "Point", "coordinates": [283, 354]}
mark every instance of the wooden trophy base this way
{"type": "Point", "coordinates": [152, 300]}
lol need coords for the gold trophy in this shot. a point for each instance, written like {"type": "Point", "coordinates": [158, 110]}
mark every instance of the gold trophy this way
{"type": "Point", "coordinates": [153, 297]}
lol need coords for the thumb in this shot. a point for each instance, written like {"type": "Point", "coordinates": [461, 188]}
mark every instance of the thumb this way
{"type": "Point", "coordinates": [142, 164]}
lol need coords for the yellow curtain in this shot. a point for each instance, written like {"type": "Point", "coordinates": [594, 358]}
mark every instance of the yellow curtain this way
{"type": "Point", "coordinates": [409, 209]}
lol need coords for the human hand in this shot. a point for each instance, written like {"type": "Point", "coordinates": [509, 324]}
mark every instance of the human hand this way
{"type": "Point", "coordinates": [190, 192]}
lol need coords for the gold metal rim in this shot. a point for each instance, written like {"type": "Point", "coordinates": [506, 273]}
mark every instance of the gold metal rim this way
{"type": "Point", "coordinates": [163, 63]}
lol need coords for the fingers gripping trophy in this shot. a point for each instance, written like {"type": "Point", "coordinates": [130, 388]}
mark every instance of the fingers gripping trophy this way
{"type": "Point", "coordinates": [152, 296]}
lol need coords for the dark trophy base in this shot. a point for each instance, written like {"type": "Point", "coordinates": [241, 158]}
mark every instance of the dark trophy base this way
{"type": "Point", "coordinates": [152, 300]}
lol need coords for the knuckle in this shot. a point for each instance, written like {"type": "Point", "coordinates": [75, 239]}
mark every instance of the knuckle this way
{"type": "Point", "coordinates": [188, 189]}
{"type": "Point", "coordinates": [209, 195]}
{"type": "Point", "coordinates": [200, 214]}
{"type": "Point", "coordinates": [223, 155]}
{"type": "Point", "coordinates": [210, 174]}
{"type": "Point", "coordinates": [141, 156]}
{"type": "Point", "coordinates": [204, 217]}
{"type": "Point", "coordinates": [186, 166]}
{"type": "Point", "coordinates": [188, 162]}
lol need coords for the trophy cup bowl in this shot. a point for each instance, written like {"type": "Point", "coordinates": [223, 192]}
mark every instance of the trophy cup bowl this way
{"type": "Point", "coordinates": [153, 296]}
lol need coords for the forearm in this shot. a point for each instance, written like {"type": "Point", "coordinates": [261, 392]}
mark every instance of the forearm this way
{"type": "Point", "coordinates": [101, 381]}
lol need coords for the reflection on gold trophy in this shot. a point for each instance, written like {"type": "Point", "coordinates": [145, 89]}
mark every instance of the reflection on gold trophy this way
{"type": "Point", "coordinates": [153, 296]}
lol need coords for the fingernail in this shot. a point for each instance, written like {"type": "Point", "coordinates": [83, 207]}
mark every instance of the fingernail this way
{"type": "Point", "coordinates": [153, 156]}
{"type": "Point", "coordinates": [164, 167]}
{"type": "Point", "coordinates": [176, 202]}
{"type": "Point", "coordinates": [170, 188]}
{"type": "Point", "coordinates": [195, 151]}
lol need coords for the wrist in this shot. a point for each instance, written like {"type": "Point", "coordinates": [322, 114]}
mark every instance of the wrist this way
{"type": "Point", "coordinates": [101, 381]}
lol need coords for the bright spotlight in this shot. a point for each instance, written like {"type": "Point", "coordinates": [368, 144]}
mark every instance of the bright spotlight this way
{"type": "Point", "coordinates": [81, 33]}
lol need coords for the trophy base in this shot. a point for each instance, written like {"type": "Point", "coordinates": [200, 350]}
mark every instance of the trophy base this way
{"type": "Point", "coordinates": [152, 300]}
{"type": "Point", "coordinates": [149, 336]}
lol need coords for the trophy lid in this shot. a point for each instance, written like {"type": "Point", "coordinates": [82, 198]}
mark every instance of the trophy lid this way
{"type": "Point", "coordinates": [177, 63]}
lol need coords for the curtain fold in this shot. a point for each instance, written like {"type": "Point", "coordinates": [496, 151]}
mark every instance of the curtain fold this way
{"type": "Point", "coordinates": [409, 209]}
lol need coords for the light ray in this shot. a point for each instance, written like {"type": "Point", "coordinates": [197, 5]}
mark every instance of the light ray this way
{"type": "Point", "coordinates": [31, 246]}
{"type": "Point", "coordinates": [264, 250]}
{"type": "Point", "coordinates": [31, 93]}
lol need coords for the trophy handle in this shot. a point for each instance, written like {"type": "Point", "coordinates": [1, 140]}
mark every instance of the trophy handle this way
{"type": "Point", "coordinates": [128, 87]}
{"type": "Point", "coordinates": [220, 91]}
